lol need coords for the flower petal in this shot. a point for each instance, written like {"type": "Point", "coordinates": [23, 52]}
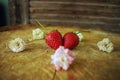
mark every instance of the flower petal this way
{"type": "Point", "coordinates": [62, 58]}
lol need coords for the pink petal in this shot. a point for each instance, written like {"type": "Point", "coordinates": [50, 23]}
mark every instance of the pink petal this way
{"type": "Point", "coordinates": [62, 58]}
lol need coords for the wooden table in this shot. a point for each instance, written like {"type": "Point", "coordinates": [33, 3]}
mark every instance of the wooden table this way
{"type": "Point", "coordinates": [34, 63]}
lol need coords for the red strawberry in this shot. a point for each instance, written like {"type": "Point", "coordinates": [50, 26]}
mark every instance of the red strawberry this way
{"type": "Point", "coordinates": [71, 40]}
{"type": "Point", "coordinates": [54, 39]}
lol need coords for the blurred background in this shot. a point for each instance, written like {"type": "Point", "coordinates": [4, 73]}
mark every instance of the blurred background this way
{"type": "Point", "coordinates": [104, 14]}
{"type": "Point", "coordinates": [4, 16]}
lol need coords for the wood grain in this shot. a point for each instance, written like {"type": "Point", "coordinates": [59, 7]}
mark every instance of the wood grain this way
{"type": "Point", "coordinates": [34, 63]}
{"type": "Point", "coordinates": [18, 11]}
{"type": "Point", "coordinates": [86, 1]}
{"type": "Point", "coordinates": [92, 13]}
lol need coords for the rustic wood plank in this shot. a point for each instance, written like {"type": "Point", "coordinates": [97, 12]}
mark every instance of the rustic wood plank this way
{"type": "Point", "coordinates": [93, 13]}
{"type": "Point", "coordinates": [22, 11]}
{"type": "Point", "coordinates": [68, 12]}
{"type": "Point", "coordinates": [76, 23]}
{"type": "Point", "coordinates": [98, 8]}
{"type": "Point", "coordinates": [73, 21]}
{"type": "Point", "coordinates": [109, 20]}
{"type": "Point", "coordinates": [83, 11]}
{"type": "Point", "coordinates": [91, 24]}
{"type": "Point", "coordinates": [18, 11]}
{"type": "Point", "coordinates": [12, 16]}
{"type": "Point", "coordinates": [86, 1]}
{"type": "Point", "coordinates": [68, 3]}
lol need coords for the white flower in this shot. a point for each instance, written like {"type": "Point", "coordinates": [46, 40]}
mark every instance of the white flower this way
{"type": "Point", "coordinates": [80, 35]}
{"type": "Point", "coordinates": [62, 58]}
{"type": "Point", "coordinates": [105, 45]}
{"type": "Point", "coordinates": [17, 45]}
{"type": "Point", "coordinates": [37, 34]}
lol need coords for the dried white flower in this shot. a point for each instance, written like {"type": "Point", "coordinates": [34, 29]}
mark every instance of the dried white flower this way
{"type": "Point", "coordinates": [17, 45]}
{"type": "Point", "coordinates": [37, 34]}
{"type": "Point", "coordinates": [80, 35]}
{"type": "Point", "coordinates": [105, 45]}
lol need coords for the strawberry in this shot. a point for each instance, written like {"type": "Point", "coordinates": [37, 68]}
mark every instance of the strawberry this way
{"type": "Point", "coordinates": [71, 40]}
{"type": "Point", "coordinates": [54, 39]}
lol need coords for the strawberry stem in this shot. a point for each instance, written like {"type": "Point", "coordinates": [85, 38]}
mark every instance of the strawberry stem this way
{"type": "Point", "coordinates": [85, 31]}
{"type": "Point", "coordinates": [38, 22]}
{"type": "Point", "coordinates": [77, 32]}
{"type": "Point", "coordinates": [43, 27]}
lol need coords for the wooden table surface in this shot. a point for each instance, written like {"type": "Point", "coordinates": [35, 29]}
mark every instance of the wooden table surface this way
{"type": "Point", "coordinates": [34, 63]}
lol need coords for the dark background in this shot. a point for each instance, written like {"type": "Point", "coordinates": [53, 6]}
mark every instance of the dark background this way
{"type": "Point", "coordinates": [4, 18]}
